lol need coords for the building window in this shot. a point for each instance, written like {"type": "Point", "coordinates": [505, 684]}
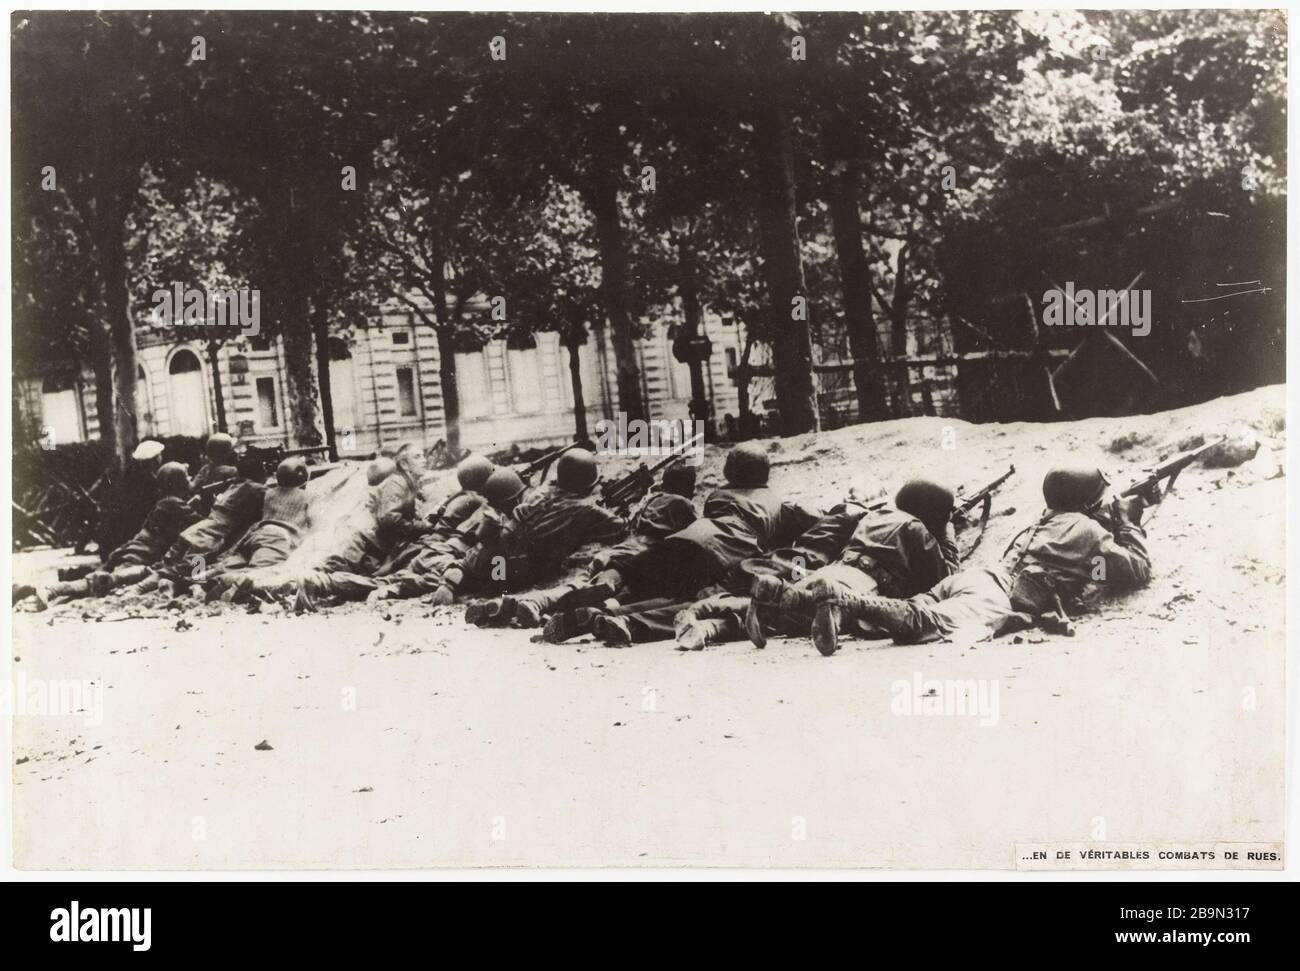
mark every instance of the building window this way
{"type": "Point", "coordinates": [526, 381]}
{"type": "Point", "coordinates": [406, 394]}
{"type": "Point", "coordinates": [472, 384]}
{"type": "Point", "coordinates": [268, 410]}
{"type": "Point", "coordinates": [60, 412]}
{"type": "Point", "coordinates": [401, 337]}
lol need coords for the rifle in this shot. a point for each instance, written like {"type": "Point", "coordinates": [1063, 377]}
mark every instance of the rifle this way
{"type": "Point", "coordinates": [544, 463]}
{"type": "Point", "coordinates": [622, 493]}
{"type": "Point", "coordinates": [984, 497]}
{"type": "Point", "coordinates": [206, 494]}
{"type": "Point", "coordinates": [1147, 487]}
{"type": "Point", "coordinates": [966, 503]}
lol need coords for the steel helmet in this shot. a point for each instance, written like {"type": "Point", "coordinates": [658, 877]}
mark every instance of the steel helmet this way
{"type": "Point", "coordinates": [502, 486]}
{"type": "Point", "coordinates": [680, 479]}
{"type": "Point", "coordinates": [220, 448]}
{"type": "Point", "coordinates": [174, 479]}
{"type": "Point", "coordinates": [927, 500]}
{"type": "Point", "coordinates": [746, 466]}
{"type": "Point", "coordinates": [1074, 488]}
{"type": "Point", "coordinates": [291, 472]}
{"type": "Point", "coordinates": [576, 470]}
{"type": "Point", "coordinates": [473, 471]}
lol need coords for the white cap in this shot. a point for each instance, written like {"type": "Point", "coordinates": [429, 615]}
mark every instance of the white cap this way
{"type": "Point", "coordinates": [147, 450]}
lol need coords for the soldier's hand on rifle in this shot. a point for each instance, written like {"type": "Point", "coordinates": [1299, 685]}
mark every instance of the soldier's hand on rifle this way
{"type": "Point", "coordinates": [1129, 509]}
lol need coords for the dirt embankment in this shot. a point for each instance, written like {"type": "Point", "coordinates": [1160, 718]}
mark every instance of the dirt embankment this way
{"type": "Point", "coordinates": [401, 737]}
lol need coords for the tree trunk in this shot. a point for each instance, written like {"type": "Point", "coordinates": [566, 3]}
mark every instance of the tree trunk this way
{"type": "Point", "coordinates": [573, 345]}
{"type": "Point", "coordinates": [447, 370]}
{"type": "Point", "coordinates": [855, 283]}
{"type": "Point", "coordinates": [603, 197]}
{"type": "Point", "coordinates": [689, 283]}
{"type": "Point", "coordinates": [320, 333]}
{"type": "Point", "coordinates": [300, 377]}
{"type": "Point", "coordinates": [286, 301]}
{"type": "Point", "coordinates": [101, 354]}
{"type": "Point", "coordinates": [118, 432]}
{"type": "Point", "coordinates": [902, 297]}
{"type": "Point", "coordinates": [218, 397]}
{"type": "Point", "coordinates": [783, 271]}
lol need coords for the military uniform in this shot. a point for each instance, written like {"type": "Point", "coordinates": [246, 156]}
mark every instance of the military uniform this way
{"type": "Point", "coordinates": [748, 518]}
{"type": "Point", "coordinates": [161, 529]}
{"type": "Point", "coordinates": [286, 514]}
{"type": "Point", "coordinates": [547, 525]}
{"type": "Point", "coordinates": [393, 504]}
{"type": "Point", "coordinates": [134, 497]}
{"type": "Point", "coordinates": [664, 514]}
{"type": "Point", "coordinates": [232, 513]}
{"type": "Point", "coordinates": [1062, 552]}
{"type": "Point", "coordinates": [420, 567]}
{"type": "Point", "coordinates": [738, 523]}
{"type": "Point", "coordinates": [446, 526]}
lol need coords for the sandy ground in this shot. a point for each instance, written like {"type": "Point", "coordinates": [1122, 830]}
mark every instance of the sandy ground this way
{"type": "Point", "coordinates": [402, 738]}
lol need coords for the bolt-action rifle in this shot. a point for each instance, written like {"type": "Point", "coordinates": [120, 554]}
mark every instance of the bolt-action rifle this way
{"type": "Point", "coordinates": [621, 494]}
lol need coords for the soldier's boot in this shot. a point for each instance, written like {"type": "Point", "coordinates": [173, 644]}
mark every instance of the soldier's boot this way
{"type": "Point", "coordinates": [695, 634]}
{"type": "Point", "coordinates": [131, 575]}
{"type": "Point", "coordinates": [532, 608]}
{"type": "Point", "coordinates": [767, 589]}
{"type": "Point", "coordinates": [591, 595]}
{"type": "Point", "coordinates": [565, 624]}
{"type": "Point", "coordinates": [487, 613]}
{"type": "Point", "coordinates": [765, 593]}
{"type": "Point", "coordinates": [39, 593]}
{"type": "Point", "coordinates": [240, 589]}
{"type": "Point", "coordinates": [826, 628]}
{"type": "Point", "coordinates": [612, 631]}
{"type": "Point", "coordinates": [759, 620]}
{"type": "Point", "coordinates": [311, 589]}
{"type": "Point", "coordinates": [99, 583]}
{"type": "Point", "coordinates": [886, 613]}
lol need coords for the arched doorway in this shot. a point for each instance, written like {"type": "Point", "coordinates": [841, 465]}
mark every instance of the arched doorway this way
{"type": "Point", "coordinates": [188, 396]}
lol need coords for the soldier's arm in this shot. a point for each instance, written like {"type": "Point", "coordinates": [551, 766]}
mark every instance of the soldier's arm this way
{"type": "Point", "coordinates": [605, 526]}
{"type": "Point", "coordinates": [1128, 565]}
{"type": "Point", "coordinates": [948, 549]}
{"type": "Point", "coordinates": [394, 505]}
{"type": "Point", "coordinates": [792, 520]}
{"type": "Point", "coordinates": [927, 556]}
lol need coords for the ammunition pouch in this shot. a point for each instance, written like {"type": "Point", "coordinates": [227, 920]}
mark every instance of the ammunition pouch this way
{"type": "Point", "coordinates": [1033, 591]}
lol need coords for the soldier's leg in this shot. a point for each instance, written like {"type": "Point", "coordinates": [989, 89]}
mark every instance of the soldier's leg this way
{"type": "Point", "coordinates": [713, 620]}
{"type": "Point", "coordinates": [529, 608]}
{"type": "Point", "coordinates": [969, 600]}
{"type": "Point", "coordinates": [348, 557]}
{"type": "Point", "coordinates": [639, 623]}
{"type": "Point", "coordinates": [824, 590]}
{"type": "Point", "coordinates": [272, 547]}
